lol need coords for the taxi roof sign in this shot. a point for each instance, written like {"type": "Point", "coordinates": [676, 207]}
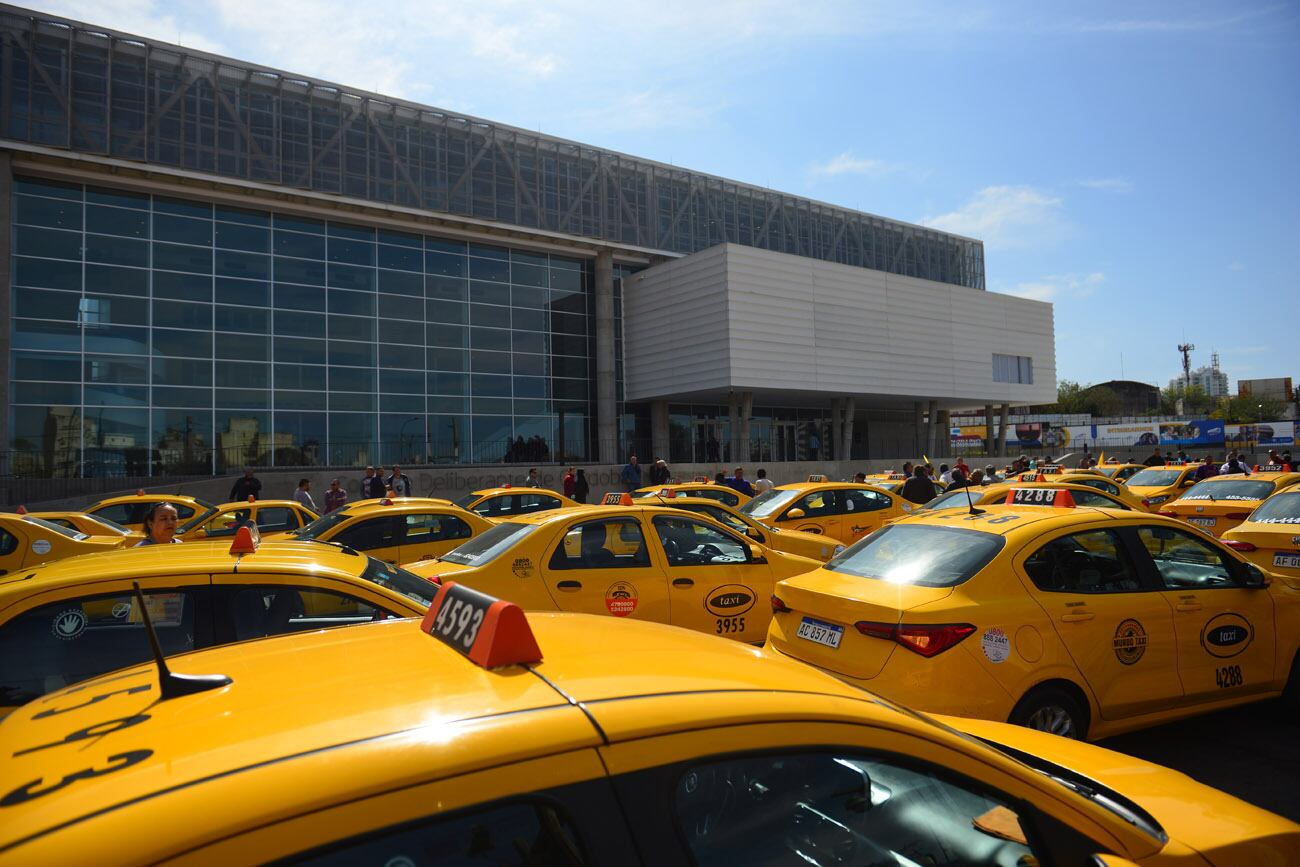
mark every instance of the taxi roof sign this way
{"type": "Point", "coordinates": [702, 479]}
{"type": "Point", "coordinates": [614, 498]}
{"type": "Point", "coordinates": [1273, 468]}
{"type": "Point", "coordinates": [1055, 497]}
{"type": "Point", "coordinates": [816, 477]}
{"type": "Point", "coordinates": [490, 632]}
{"type": "Point", "coordinates": [246, 540]}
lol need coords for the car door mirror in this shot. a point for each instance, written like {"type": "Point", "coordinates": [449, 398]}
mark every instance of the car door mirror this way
{"type": "Point", "coordinates": [754, 533]}
{"type": "Point", "coordinates": [795, 514]}
{"type": "Point", "coordinates": [1187, 483]}
{"type": "Point", "coordinates": [1256, 579]}
{"type": "Point", "coordinates": [755, 554]}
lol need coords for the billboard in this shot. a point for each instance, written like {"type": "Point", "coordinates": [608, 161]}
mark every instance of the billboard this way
{"type": "Point", "coordinates": [1193, 432]}
{"type": "Point", "coordinates": [1269, 433]}
{"type": "Point", "coordinates": [1140, 434]}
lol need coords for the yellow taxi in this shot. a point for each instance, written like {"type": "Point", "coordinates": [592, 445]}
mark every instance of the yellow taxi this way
{"type": "Point", "coordinates": [635, 562]}
{"type": "Point", "coordinates": [26, 540]}
{"type": "Point", "coordinates": [1161, 485]}
{"type": "Point", "coordinates": [77, 618]}
{"type": "Point", "coordinates": [507, 501]}
{"type": "Point", "coordinates": [272, 518]}
{"type": "Point", "coordinates": [1119, 490]}
{"type": "Point", "coordinates": [1082, 622]}
{"type": "Point", "coordinates": [846, 511]}
{"type": "Point", "coordinates": [484, 736]}
{"type": "Point", "coordinates": [790, 541]}
{"type": "Point", "coordinates": [1219, 503]}
{"type": "Point", "coordinates": [91, 525]}
{"type": "Point", "coordinates": [1270, 537]}
{"type": "Point", "coordinates": [129, 509]}
{"type": "Point", "coordinates": [892, 482]}
{"type": "Point", "coordinates": [1120, 472]}
{"type": "Point", "coordinates": [701, 488]}
{"type": "Point", "coordinates": [399, 530]}
{"type": "Point", "coordinates": [1083, 495]}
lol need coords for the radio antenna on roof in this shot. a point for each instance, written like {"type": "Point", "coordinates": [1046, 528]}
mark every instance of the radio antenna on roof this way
{"type": "Point", "coordinates": [970, 502]}
{"type": "Point", "coordinates": [170, 684]}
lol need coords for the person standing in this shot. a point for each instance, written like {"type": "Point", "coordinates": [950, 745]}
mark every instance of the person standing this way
{"type": "Point", "coordinates": [335, 496]}
{"type": "Point", "coordinates": [248, 486]}
{"type": "Point", "coordinates": [739, 483]}
{"type": "Point", "coordinates": [1156, 459]}
{"type": "Point", "coordinates": [399, 484]}
{"type": "Point", "coordinates": [372, 486]}
{"type": "Point", "coordinates": [959, 480]}
{"type": "Point", "coordinates": [762, 484]}
{"type": "Point", "coordinates": [570, 480]}
{"type": "Point", "coordinates": [159, 525]}
{"type": "Point", "coordinates": [919, 489]}
{"type": "Point", "coordinates": [531, 480]}
{"type": "Point", "coordinates": [580, 487]}
{"type": "Point", "coordinates": [302, 496]}
{"type": "Point", "coordinates": [631, 475]}
{"type": "Point", "coordinates": [659, 473]}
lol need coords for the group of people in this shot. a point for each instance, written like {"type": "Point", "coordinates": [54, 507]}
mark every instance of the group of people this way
{"type": "Point", "coordinates": [924, 483]}
{"type": "Point", "coordinates": [660, 474]}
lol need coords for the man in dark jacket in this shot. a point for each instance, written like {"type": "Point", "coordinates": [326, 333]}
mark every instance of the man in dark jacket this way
{"type": "Point", "coordinates": [919, 488]}
{"type": "Point", "coordinates": [959, 480]}
{"type": "Point", "coordinates": [1156, 459]}
{"type": "Point", "coordinates": [245, 487]}
{"type": "Point", "coordinates": [659, 472]}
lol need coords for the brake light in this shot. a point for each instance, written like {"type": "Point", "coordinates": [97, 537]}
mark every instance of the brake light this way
{"type": "Point", "coordinates": [929, 640]}
{"type": "Point", "coordinates": [1237, 516]}
{"type": "Point", "coordinates": [1146, 504]}
{"type": "Point", "coordinates": [1239, 546]}
{"type": "Point", "coordinates": [779, 606]}
{"type": "Point", "coordinates": [1168, 513]}
{"type": "Point", "coordinates": [434, 579]}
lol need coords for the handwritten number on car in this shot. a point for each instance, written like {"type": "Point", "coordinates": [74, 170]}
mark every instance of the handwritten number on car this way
{"type": "Point", "coordinates": [728, 625]}
{"type": "Point", "coordinates": [1228, 677]}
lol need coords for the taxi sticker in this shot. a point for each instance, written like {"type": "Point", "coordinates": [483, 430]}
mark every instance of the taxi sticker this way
{"type": "Point", "coordinates": [522, 567]}
{"type": "Point", "coordinates": [1130, 642]}
{"type": "Point", "coordinates": [1226, 635]}
{"type": "Point", "coordinates": [69, 624]}
{"type": "Point", "coordinates": [164, 609]}
{"type": "Point", "coordinates": [729, 600]}
{"type": "Point", "coordinates": [996, 644]}
{"type": "Point", "coordinates": [41, 546]}
{"type": "Point", "coordinates": [120, 610]}
{"type": "Point", "coordinates": [621, 599]}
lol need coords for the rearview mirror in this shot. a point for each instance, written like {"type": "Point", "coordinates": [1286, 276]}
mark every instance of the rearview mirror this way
{"type": "Point", "coordinates": [795, 514]}
{"type": "Point", "coordinates": [1256, 579]}
{"type": "Point", "coordinates": [755, 554]}
{"type": "Point", "coordinates": [753, 533]}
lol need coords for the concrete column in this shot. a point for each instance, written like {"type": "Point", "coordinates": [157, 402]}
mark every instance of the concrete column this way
{"type": "Point", "coordinates": [746, 415]}
{"type": "Point", "coordinates": [850, 407]}
{"type": "Point", "coordinates": [943, 439]}
{"type": "Point", "coordinates": [918, 428]}
{"type": "Point", "coordinates": [733, 427]}
{"type": "Point", "coordinates": [931, 428]}
{"type": "Point", "coordinates": [6, 232]}
{"type": "Point", "coordinates": [659, 431]}
{"type": "Point", "coordinates": [837, 431]}
{"type": "Point", "coordinates": [990, 440]}
{"type": "Point", "coordinates": [606, 393]}
{"type": "Point", "coordinates": [1002, 429]}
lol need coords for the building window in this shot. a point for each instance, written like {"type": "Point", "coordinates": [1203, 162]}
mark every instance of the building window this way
{"type": "Point", "coordinates": [1013, 368]}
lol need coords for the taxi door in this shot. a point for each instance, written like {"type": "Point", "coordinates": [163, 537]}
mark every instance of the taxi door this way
{"type": "Point", "coordinates": [863, 511]}
{"type": "Point", "coordinates": [604, 566]}
{"type": "Point", "coordinates": [815, 512]}
{"type": "Point", "coordinates": [431, 534]}
{"type": "Point", "coordinates": [1226, 632]}
{"type": "Point", "coordinates": [380, 536]}
{"type": "Point", "coordinates": [1112, 619]}
{"type": "Point", "coordinates": [714, 585]}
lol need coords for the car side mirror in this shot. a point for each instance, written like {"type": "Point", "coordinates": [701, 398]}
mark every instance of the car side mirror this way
{"type": "Point", "coordinates": [1187, 483]}
{"type": "Point", "coordinates": [795, 514]}
{"type": "Point", "coordinates": [1256, 579]}
{"type": "Point", "coordinates": [754, 533]}
{"type": "Point", "coordinates": [755, 554]}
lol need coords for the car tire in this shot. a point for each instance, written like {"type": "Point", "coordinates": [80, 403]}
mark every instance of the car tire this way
{"type": "Point", "coordinates": [1291, 692]}
{"type": "Point", "coordinates": [1052, 709]}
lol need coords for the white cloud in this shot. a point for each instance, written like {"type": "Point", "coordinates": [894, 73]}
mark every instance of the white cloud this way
{"type": "Point", "coordinates": [1109, 185]}
{"type": "Point", "coordinates": [847, 163]}
{"type": "Point", "coordinates": [1056, 287]}
{"type": "Point", "coordinates": [1008, 217]}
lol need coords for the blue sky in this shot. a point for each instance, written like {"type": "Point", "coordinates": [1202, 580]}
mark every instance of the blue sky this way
{"type": "Point", "coordinates": [1134, 163]}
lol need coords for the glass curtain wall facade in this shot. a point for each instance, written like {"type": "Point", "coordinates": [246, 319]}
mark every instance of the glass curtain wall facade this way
{"type": "Point", "coordinates": [158, 335]}
{"type": "Point", "coordinates": [69, 85]}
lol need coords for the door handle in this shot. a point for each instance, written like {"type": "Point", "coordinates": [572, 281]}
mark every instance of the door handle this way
{"type": "Point", "coordinates": [569, 585]}
{"type": "Point", "coordinates": [1189, 605]}
{"type": "Point", "coordinates": [683, 582]}
{"type": "Point", "coordinates": [1077, 616]}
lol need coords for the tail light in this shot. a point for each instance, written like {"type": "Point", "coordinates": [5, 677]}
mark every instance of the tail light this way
{"type": "Point", "coordinates": [1237, 516]}
{"type": "Point", "coordinates": [434, 579]}
{"type": "Point", "coordinates": [779, 606]}
{"type": "Point", "coordinates": [1239, 546]}
{"type": "Point", "coordinates": [929, 640]}
{"type": "Point", "coordinates": [1168, 513]}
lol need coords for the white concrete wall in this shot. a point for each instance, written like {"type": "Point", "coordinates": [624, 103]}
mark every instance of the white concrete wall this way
{"type": "Point", "coordinates": [795, 323]}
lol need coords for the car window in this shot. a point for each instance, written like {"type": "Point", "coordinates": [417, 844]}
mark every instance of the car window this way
{"type": "Point", "coordinates": [276, 518]}
{"type": "Point", "coordinates": [1283, 508]}
{"type": "Point", "coordinates": [865, 501]}
{"type": "Point", "coordinates": [1233, 489]}
{"type": "Point", "coordinates": [259, 612]}
{"type": "Point", "coordinates": [224, 524]}
{"type": "Point", "coordinates": [816, 504]}
{"type": "Point", "coordinates": [1186, 562]}
{"type": "Point", "coordinates": [536, 503]}
{"type": "Point", "coordinates": [1154, 478]}
{"type": "Point", "coordinates": [55, 645]}
{"type": "Point", "coordinates": [490, 544]}
{"type": "Point", "coordinates": [1098, 484]}
{"type": "Point", "coordinates": [840, 808]}
{"type": "Point", "coordinates": [722, 516]}
{"type": "Point", "coordinates": [371, 533]}
{"type": "Point", "coordinates": [1095, 501]}
{"type": "Point", "coordinates": [921, 554]}
{"type": "Point", "coordinates": [611, 543]}
{"type": "Point", "coordinates": [8, 543]}
{"type": "Point", "coordinates": [516, 834]}
{"type": "Point", "coordinates": [124, 513]}
{"type": "Point", "coordinates": [688, 542]}
{"type": "Point", "coordinates": [433, 527]}
{"type": "Point", "coordinates": [1092, 562]}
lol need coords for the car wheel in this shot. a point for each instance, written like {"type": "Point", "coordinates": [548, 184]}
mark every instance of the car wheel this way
{"type": "Point", "coordinates": [1052, 710]}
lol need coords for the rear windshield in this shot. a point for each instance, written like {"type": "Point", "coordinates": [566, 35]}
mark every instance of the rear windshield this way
{"type": "Point", "coordinates": [110, 524]}
{"type": "Point", "coordinates": [487, 546]}
{"type": "Point", "coordinates": [466, 501]}
{"type": "Point", "coordinates": [952, 499]}
{"type": "Point", "coordinates": [919, 554]}
{"type": "Point", "coordinates": [1282, 509]}
{"type": "Point", "coordinates": [769, 503]}
{"type": "Point", "coordinates": [395, 578]}
{"type": "Point", "coordinates": [1154, 478]}
{"type": "Point", "coordinates": [1235, 490]}
{"type": "Point", "coordinates": [55, 528]}
{"type": "Point", "coordinates": [321, 525]}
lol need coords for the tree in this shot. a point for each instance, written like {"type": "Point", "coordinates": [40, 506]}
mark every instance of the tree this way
{"type": "Point", "coordinates": [1246, 409]}
{"type": "Point", "coordinates": [1101, 400]}
{"type": "Point", "coordinates": [1194, 400]}
{"type": "Point", "coordinates": [1070, 397]}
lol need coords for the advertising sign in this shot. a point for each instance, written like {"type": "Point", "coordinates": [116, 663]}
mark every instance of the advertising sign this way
{"type": "Point", "coordinates": [1269, 433]}
{"type": "Point", "coordinates": [1139, 434]}
{"type": "Point", "coordinates": [1193, 432]}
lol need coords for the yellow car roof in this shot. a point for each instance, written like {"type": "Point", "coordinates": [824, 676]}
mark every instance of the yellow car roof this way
{"type": "Point", "coordinates": [399, 504]}
{"type": "Point", "coordinates": [244, 504]}
{"type": "Point", "coordinates": [1041, 518]}
{"type": "Point", "coordinates": [1281, 479]}
{"type": "Point", "coordinates": [829, 486]}
{"type": "Point", "coordinates": [147, 497]}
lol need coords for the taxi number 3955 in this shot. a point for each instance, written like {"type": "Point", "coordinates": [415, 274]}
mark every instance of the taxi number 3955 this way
{"type": "Point", "coordinates": [728, 625]}
{"type": "Point", "coordinates": [459, 621]}
{"type": "Point", "coordinates": [1229, 676]}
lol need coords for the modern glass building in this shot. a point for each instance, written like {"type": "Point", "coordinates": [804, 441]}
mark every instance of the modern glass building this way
{"type": "Point", "coordinates": [209, 263]}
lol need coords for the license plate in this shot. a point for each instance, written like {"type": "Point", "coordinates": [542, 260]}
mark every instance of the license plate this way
{"type": "Point", "coordinates": [823, 633]}
{"type": "Point", "coordinates": [1290, 561]}
{"type": "Point", "coordinates": [1202, 522]}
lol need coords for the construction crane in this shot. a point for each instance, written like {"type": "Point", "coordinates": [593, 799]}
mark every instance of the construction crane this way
{"type": "Point", "coordinates": [1186, 350]}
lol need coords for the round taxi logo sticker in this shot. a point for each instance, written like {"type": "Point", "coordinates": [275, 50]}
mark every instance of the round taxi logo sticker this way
{"type": "Point", "coordinates": [1130, 642]}
{"type": "Point", "coordinates": [996, 645]}
{"type": "Point", "coordinates": [522, 567]}
{"type": "Point", "coordinates": [620, 599]}
{"type": "Point", "coordinates": [41, 546]}
{"type": "Point", "coordinates": [69, 624]}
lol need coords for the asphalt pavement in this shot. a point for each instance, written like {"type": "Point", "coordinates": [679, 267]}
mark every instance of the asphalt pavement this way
{"type": "Point", "coordinates": [1252, 752]}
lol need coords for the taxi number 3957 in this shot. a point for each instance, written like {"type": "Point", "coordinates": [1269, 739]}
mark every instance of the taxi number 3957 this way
{"type": "Point", "coordinates": [459, 621]}
{"type": "Point", "coordinates": [1229, 676]}
{"type": "Point", "coordinates": [728, 625]}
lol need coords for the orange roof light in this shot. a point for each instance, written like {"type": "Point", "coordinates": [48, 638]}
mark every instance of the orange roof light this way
{"type": "Point", "coordinates": [139, 492]}
{"type": "Point", "coordinates": [246, 540]}
{"type": "Point", "coordinates": [816, 477]}
{"type": "Point", "coordinates": [502, 637]}
{"type": "Point", "coordinates": [1055, 497]}
{"type": "Point", "coordinates": [22, 510]}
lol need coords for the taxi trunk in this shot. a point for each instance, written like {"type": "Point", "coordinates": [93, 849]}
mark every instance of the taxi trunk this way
{"type": "Point", "coordinates": [1213, 516]}
{"type": "Point", "coordinates": [1270, 550]}
{"type": "Point", "coordinates": [839, 626]}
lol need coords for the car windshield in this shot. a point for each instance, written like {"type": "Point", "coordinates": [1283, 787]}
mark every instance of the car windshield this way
{"type": "Point", "coordinates": [952, 499]}
{"type": "Point", "coordinates": [198, 518]}
{"type": "Point", "coordinates": [1154, 478]}
{"type": "Point", "coordinates": [466, 501]}
{"type": "Point", "coordinates": [55, 528]}
{"type": "Point", "coordinates": [321, 525]}
{"type": "Point", "coordinates": [1282, 509]}
{"type": "Point", "coordinates": [769, 503]}
{"type": "Point", "coordinates": [722, 516]}
{"type": "Point", "coordinates": [919, 554]}
{"type": "Point", "coordinates": [1233, 490]}
{"type": "Point", "coordinates": [487, 546]}
{"type": "Point", "coordinates": [397, 579]}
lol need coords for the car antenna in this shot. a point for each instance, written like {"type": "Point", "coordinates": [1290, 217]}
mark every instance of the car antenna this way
{"type": "Point", "coordinates": [170, 684]}
{"type": "Point", "coordinates": [969, 501]}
